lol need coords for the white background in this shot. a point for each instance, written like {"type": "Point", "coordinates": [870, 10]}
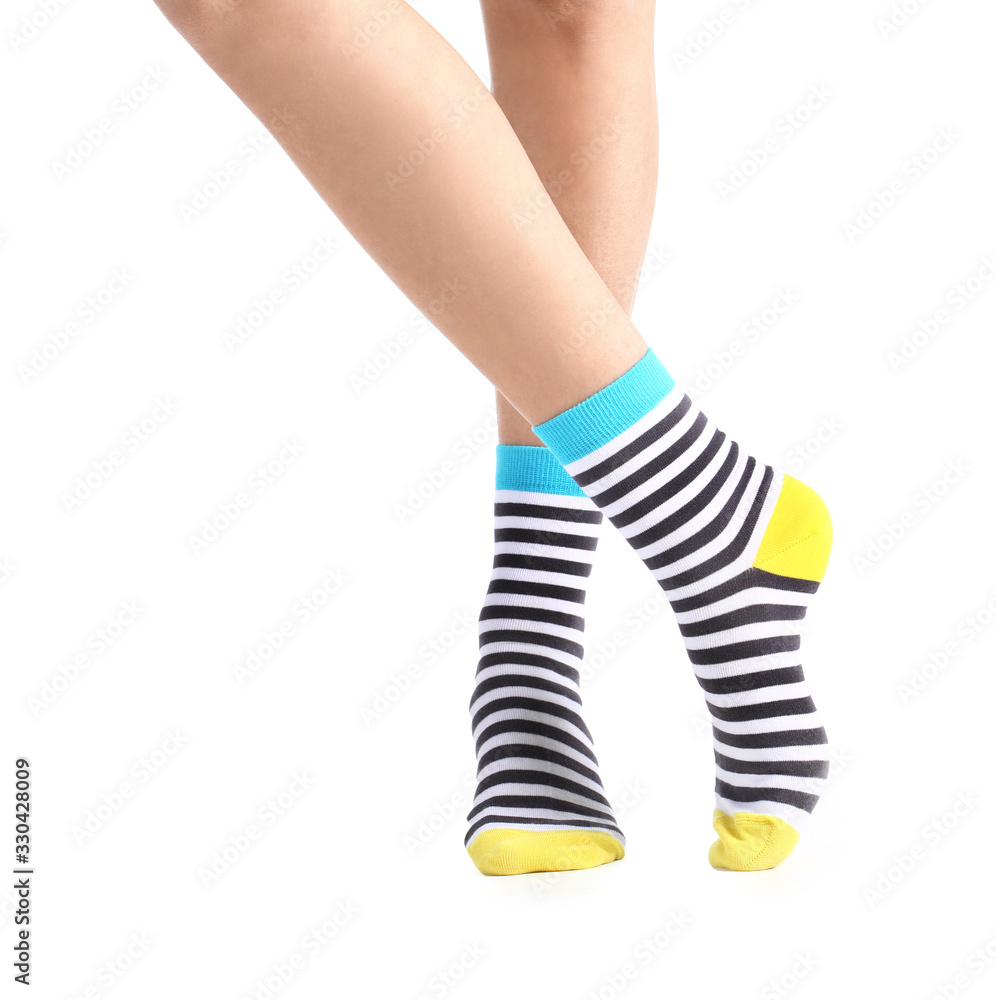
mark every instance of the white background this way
{"type": "Point", "coordinates": [886, 894]}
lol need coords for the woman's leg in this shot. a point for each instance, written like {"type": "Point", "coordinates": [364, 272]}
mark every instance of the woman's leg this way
{"type": "Point", "coordinates": [417, 160]}
{"type": "Point", "coordinates": [409, 149]}
{"type": "Point", "coordinates": [579, 91]}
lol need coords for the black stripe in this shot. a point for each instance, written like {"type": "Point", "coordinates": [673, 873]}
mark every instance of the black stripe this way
{"type": "Point", "coordinates": [540, 802]}
{"type": "Point", "coordinates": [524, 680]}
{"type": "Point", "coordinates": [533, 752]}
{"type": "Point", "coordinates": [762, 710]}
{"type": "Point", "coordinates": [528, 660]}
{"type": "Point", "coordinates": [528, 821]}
{"type": "Point", "coordinates": [542, 564]}
{"type": "Point", "coordinates": [712, 530]}
{"type": "Point", "coordinates": [522, 777]}
{"type": "Point", "coordinates": [750, 615]}
{"type": "Point", "coordinates": [536, 589]}
{"type": "Point", "coordinates": [534, 536]}
{"type": "Point", "coordinates": [673, 487]}
{"type": "Point", "coordinates": [631, 450]}
{"type": "Point", "coordinates": [518, 613]}
{"type": "Point", "coordinates": [762, 741]}
{"type": "Point", "coordinates": [532, 639]}
{"type": "Point", "coordinates": [801, 800]}
{"type": "Point", "coordinates": [553, 513]}
{"type": "Point", "coordinates": [752, 681]}
{"type": "Point", "coordinates": [796, 768]}
{"type": "Point", "coordinates": [745, 650]}
{"type": "Point", "coordinates": [654, 466]}
{"type": "Point", "coordinates": [525, 726]}
{"type": "Point", "coordinates": [776, 582]}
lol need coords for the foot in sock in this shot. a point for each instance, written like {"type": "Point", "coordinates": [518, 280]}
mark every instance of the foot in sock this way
{"type": "Point", "coordinates": [738, 549]}
{"type": "Point", "coordinates": [540, 804]}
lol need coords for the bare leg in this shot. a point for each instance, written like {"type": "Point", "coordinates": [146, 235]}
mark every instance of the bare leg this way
{"type": "Point", "coordinates": [418, 161]}
{"type": "Point", "coordinates": [579, 90]}
{"type": "Point", "coordinates": [415, 157]}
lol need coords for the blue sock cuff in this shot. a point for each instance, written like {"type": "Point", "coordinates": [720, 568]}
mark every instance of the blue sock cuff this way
{"type": "Point", "coordinates": [532, 469]}
{"type": "Point", "coordinates": [598, 419]}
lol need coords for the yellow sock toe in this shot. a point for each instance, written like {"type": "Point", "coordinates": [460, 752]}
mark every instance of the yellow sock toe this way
{"type": "Point", "coordinates": [750, 842]}
{"type": "Point", "coordinates": [515, 852]}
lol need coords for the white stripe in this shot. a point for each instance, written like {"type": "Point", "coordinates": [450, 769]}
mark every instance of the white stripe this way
{"type": "Point", "coordinates": [777, 724]}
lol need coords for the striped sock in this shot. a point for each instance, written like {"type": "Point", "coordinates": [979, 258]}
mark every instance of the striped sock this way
{"type": "Point", "coordinates": [540, 805]}
{"type": "Point", "coordinates": [738, 549]}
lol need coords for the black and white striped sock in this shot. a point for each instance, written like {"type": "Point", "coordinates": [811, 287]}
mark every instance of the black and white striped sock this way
{"type": "Point", "coordinates": [738, 549]}
{"type": "Point", "coordinates": [540, 804]}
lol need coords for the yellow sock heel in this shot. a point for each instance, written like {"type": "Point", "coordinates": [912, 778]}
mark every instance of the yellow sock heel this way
{"type": "Point", "coordinates": [799, 535]}
{"type": "Point", "coordinates": [515, 852]}
{"type": "Point", "coordinates": [750, 842]}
